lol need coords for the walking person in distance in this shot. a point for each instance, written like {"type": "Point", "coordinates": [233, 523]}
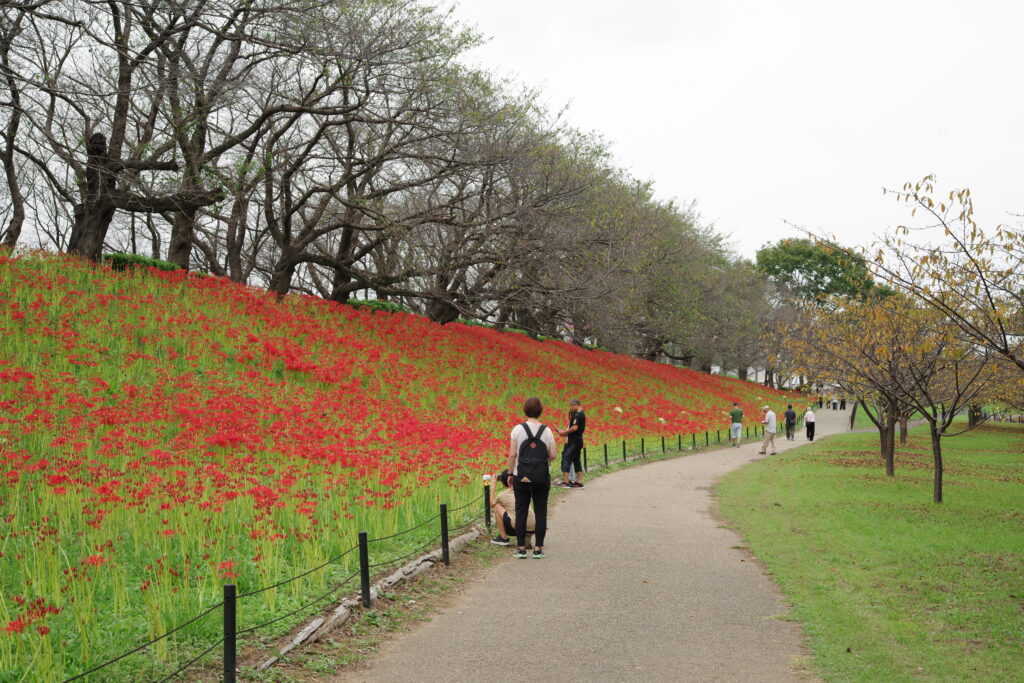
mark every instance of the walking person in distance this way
{"type": "Point", "coordinates": [573, 449]}
{"type": "Point", "coordinates": [790, 416]}
{"type": "Point", "coordinates": [531, 449]}
{"type": "Point", "coordinates": [770, 427]}
{"type": "Point", "coordinates": [809, 422]}
{"type": "Point", "coordinates": [736, 427]}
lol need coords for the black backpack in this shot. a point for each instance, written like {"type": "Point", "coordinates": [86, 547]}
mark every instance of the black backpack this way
{"type": "Point", "coordinates": [532, 462]}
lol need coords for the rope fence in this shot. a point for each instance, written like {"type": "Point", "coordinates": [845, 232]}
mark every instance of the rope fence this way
{"type": "Point", "coordinates": [229, 605]}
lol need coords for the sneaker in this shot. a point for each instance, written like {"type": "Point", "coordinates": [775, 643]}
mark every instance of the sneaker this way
{"type": "Point", "coordinates": [565, 485]}
{"type": "Point", "coordinates": [538, 554]}
{"type": "Point", "coordinates": [577, 485]}
{"type": "Point", "coordinates": [498, 540]}
{"type": "Point", "coordinates": [761, 453]}
{"type": "Point", "coordinates": [520, 554]}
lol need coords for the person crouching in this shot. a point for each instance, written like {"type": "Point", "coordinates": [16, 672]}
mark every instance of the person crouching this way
{"type": "Point", "coordinates": [504, 505]}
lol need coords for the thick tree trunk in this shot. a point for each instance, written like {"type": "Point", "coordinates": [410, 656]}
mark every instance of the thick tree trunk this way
{"type": "Point", "coordinates": [281, 278]}
{"type": "Point", "coordinates": [442, 312]}
{"type": "Point", "coordinates": [92, 221]}
{"type": "Point", "coordinates": [937, 458]}
{"type": "Point", "coordinates": [94, 214]}
{"type": "Point", "coordinates": [743, 373]}
{"type": "Point", "coordinates": [179, 251]}
{"type": "Point", "coordinates": [903, 431]}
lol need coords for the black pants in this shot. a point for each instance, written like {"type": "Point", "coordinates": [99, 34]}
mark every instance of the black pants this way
{"type": "Point", "coordinates": [790, 428]}
{"type": "Point", "coordinates": [537, 492]}
{"type": "Point", "coordinates": [571, 453]}
{"type": "Point", "coordinates": [810, 431]}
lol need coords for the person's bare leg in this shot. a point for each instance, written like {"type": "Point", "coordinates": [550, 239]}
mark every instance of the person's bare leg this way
{"type": "Point", "coordinates": [499, 518]}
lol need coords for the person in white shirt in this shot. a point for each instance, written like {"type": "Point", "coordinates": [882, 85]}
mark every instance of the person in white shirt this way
{"type": "Point", "coordinates": [530, 452]}
{"type": "Point", "coordinates": [769, 430]}
{"type": "Point", "coordinates": [809, 421]}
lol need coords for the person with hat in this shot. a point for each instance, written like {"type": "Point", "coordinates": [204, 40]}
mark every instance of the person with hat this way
{"type": "Point", "coordinates": [770, 427]}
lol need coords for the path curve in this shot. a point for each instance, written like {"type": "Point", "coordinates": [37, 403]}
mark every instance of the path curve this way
{"type": "Point", "coordinates": [640, 582]}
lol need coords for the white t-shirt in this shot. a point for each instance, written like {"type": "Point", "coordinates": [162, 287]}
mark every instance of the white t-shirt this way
{"type": "Point", "coordinates": [808, 417]}
{"type": "Point", "coordinates": [520, 437]}
{"type": "Point", "coordinates": [769, 422]}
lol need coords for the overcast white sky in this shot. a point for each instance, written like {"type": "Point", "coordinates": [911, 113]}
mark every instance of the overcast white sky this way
{"type": "Point", "coordinates": [765, 111]}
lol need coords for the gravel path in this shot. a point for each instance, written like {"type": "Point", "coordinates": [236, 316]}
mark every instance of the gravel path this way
{"type": "Point", "coordinates": [640, 582]}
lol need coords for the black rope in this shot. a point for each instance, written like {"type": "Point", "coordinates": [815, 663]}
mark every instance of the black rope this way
{"type": "Point", "coordinates": [300, 609]}
{"type": "Point", "coordinates": [395, 560]}
{"type": "Point", "coordinates": [472, 502]}
{"type": "Point", "coordinates": [145, 645]}
{"type": "Point", "coordinates": [193, 661]}
{"type": "Point", "coordinates": [285, 582]}
{"type": "Point", "coordinates": [401, 533]}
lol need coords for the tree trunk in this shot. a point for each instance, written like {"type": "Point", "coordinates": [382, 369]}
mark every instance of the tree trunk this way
{"type": "Point", "coordinates": [743, 373]}
{"type": "Point", "coordinates": [937, 457]}
{"type": "Point", "coordinates": [9, 238]}
{"type": "Point", "coordinates": [234, 240]}
{"type": "Point", "coordinates": [886, 434]}
{"type": "Point", "coordinates": [179, 251]}
{"type": "Point", "coordinates": [281, 278]}
{"type": "Point", "coordinates": [92, 221]}
{"type": "Point", "coordinates": [853, 414]}
{"type": "Point", "coordinates": [441, 311]}
{"type": "Point", "coordinates": [903, 430]}
{"type": "Point", "coordinates": [94, 214]}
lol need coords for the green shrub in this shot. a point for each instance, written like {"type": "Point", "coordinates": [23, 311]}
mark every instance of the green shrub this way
{"type": "Point", "coordinates": [377, 305]}
{"type": "Point", "coordinates": [122, 261]}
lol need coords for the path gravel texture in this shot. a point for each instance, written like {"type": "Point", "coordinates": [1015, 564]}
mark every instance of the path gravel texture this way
{"type": "Point", "coordinates": [640, 583]}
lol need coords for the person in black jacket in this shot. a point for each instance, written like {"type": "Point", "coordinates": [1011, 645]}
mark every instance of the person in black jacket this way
{"type": "Point", "coordinates": [573, 449]}
{"type": "Point", "coordinates": [790, 416]}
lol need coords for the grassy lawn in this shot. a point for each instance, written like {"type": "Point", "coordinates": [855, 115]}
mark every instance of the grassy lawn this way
{"type": "Point", "coordinates": [888, 585]}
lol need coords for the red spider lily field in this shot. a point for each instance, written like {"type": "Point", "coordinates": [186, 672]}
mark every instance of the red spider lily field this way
{"type": "Point", "coordinates": [162, 434]}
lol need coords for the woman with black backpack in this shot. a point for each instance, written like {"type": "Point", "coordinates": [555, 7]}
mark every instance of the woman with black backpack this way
{"type": "Point", "coordinates": [530, 453]}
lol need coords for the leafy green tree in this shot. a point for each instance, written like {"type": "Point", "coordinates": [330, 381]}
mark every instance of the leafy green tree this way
{"type": "Point", "coordinates": [813, 270]}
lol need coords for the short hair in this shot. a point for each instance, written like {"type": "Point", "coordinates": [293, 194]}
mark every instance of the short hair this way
{"type": "Point", "coordinates": [533, 407]}
{"type": "Point", "coordinates": [574, 402]}
{"type": "Point", "coordinates": [735, 403]}
{"type": "Point", "coordinates": [790, 405]}
{"type": "Point", "coordinates": [503, 477]}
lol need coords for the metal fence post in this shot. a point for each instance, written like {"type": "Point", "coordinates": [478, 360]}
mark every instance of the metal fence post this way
{"type": "Point", "coordinates": [230, 632]}
{"type": "Point", "coordinates": [364, 569]}
{"type": "Point", "coordinates": [718, 435]}
{"type": "Point", "coordinates": [641, 446]}
{"type": "Point", "coordinates": [693, 438]}
{"type": "Point", "coordinates": [445, 554]}
{"type": "Point", "coordinates": [623, 450]}
{"type": "Point", "coordinates": [662, 444]}
{"type": "Point", "coordinates": [680, 441]}
{"type": "Point", "coordinates": [707, 440]}
{"type": "Point", "coordinates": [487, 505]}
{"type": "Point", "coordinates": [606, 455]}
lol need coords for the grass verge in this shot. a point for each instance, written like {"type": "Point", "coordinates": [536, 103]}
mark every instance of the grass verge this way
{"type": "Point", "coordinates": [888, 585]}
